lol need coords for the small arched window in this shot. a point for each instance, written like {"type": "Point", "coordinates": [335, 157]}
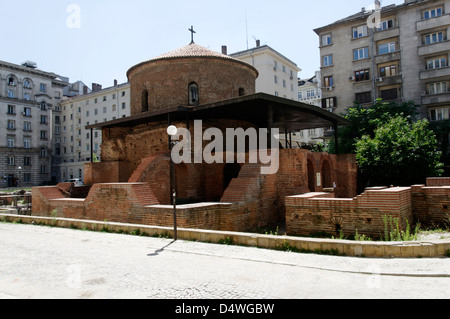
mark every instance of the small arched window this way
{"type": "Point", "coordinates": [144, 101]}
{"type": "Point", "coordinates": [193, 94]}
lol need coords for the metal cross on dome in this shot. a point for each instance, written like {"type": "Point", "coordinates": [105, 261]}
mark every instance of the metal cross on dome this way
{"type": "Point", "coordinates": [192, 34]}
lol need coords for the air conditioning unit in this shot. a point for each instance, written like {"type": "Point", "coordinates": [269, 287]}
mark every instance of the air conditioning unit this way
{"type": "Point", "coordinates": [351, 78]}
{"type": "Point", "coordinates": [378, 80]}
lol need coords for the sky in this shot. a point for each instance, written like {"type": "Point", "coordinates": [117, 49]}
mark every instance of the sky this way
{"type": "Point", "coordinates": [97, 41]}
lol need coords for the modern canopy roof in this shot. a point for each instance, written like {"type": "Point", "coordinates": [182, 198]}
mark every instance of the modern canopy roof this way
{"type": "Point", "coordinates": [263, 110]}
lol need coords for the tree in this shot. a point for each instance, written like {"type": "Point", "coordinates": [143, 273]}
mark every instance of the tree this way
{"type": "Point", "coordinates": [400, 153]}
{"type": "Point", "coordinates": [365, 120]}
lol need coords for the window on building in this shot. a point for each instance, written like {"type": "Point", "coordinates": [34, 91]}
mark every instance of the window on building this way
{"type": "Point", "coordinates": [437, 88]}
{"type": "Point", "coordinates": [43, 153]}
{"type": "Point", "coordinates": [11, 110]}
{"type": "Point", "coordinates": [43, 119]}
{"type": "Point", "coordinates": [359, 32]}
{"type": "Point", "coordinates": [43, 169]}
{"type": "Point", "coordinates": [43, 87]}
{"type": "Point", "coordinates": [43, 106]}
{"type": "Point", "coordinates": [389, 70]}
{"type": "Point", "coordinates": [144, 101]}
{"type": "Point", "coordinates": [11, 81]}
{"type": "Point", "coordinates": [26, 142]}
{"type": "Point", "coordinates": [364, 97]}
{"type": "Point", "coordinates": [27, 111]}
{"type": "Point", "coordinates": [439, 114]}
{"type": "Point", "coordinates": [326, 39]}
{"type": "Point", "coordinates": [330, 102]}
{"type": "Point", "coordinates": [362, 53]}
{"type": "Point", "coordinates": [27, 96]}
{"type": "Point", "coordinates": [435, 37]}
{"type": "Point", "coordinates": [26, 177]}
{"type": "Point", "coordinates": [27, 161]}
{"type": "Point", "coordinates": [275, 79]}
{"type": "Point", "coordinates": [362, 75]}
{"type": "Point", "coordinates": [385, 25]}
{"type": "Point", "coordinates": [11, 161]}
{"type": "Point", "coordinates": [43, 135]}
{"type": "Point", "coordinates": [328, 60]}
{"type": "Point", "coordinates": [11, 94]}
{"type": "Point", "coordinates": [10, 141]}
{"type": "Point", "coordinates": [124, 105]}
{"type": "Point", "coordinates": [11, 125]}
{"type": "Point", "coordinates": [389, 94]}
{"type": "Point", "coordinates": [386, 48]}
{"type": "Point", "coordinates": [193, 94]}
{"type": "Point", "coordinates": [437, 63]}
{"type": "Point", "coordinates": [433, 13]}
{"type": "Point", "coordinates": [328, 81]}
{"type": "Point", "coordinates": [27, 126]}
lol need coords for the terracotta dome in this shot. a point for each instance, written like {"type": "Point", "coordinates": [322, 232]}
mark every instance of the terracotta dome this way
{"type": "Point", "coordinates": [192, 51]}
{"type": "Point", "coordinates": [167, 81]}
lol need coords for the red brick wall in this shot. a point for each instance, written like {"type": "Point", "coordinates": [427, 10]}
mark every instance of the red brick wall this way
{"type": "Point", "coordinates": [312, 213]}
{"type": "Point", "coordinates": [431, 205]}
{"type": "Point", "coordinates": [167, 81]}
{"type": "Point", "coordinates": [438, 181]}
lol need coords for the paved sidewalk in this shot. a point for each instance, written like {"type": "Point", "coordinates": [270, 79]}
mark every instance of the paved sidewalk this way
{"type": "Point", "coordinates": [44, 262]}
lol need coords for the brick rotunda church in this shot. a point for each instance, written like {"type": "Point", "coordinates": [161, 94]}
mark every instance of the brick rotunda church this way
{"type": "Point", "coordinates": [133, 181]}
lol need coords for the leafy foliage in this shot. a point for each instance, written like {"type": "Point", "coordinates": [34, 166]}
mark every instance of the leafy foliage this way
{"type": "Point", "coordinates": [399, 153]}
{"type": "Point", "coordinates": [365, 120]}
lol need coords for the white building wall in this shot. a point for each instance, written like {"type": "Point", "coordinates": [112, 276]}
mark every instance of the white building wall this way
{"type": "Point", "coordinates": [78, 112]}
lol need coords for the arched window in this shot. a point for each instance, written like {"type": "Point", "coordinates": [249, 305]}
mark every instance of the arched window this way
{"type": "Point", "coordinates": [193, 94]}
{"type": "Point", "coordinates": [144, 101]}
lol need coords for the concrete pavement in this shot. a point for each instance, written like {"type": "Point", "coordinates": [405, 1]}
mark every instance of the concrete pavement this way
{"type": "Point", "coordinates": [44, 262]}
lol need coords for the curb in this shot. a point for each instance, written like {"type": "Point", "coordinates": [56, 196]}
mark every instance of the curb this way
{"type": "Point", "coordinates": [432, 249]}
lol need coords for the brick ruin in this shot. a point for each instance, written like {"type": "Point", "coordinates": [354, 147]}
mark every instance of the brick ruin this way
{"type": "Point", "coordinates": [311, 192]}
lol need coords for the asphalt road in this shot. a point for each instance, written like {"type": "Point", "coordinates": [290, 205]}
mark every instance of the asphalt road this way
{"type": "Point", "coordinates": [46, 263]}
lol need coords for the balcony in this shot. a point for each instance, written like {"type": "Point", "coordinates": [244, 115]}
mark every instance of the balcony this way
{"type": "Point", "coordinates": [435, 73]}
{"type": "Point", "coordinates": [436, 99]}
{"type": "Point", "coordinates": [434, 48]}
{"type": "Point", "coordinates": [389, 80]}
{"type": "Point", "coordinates": [386, 34]}
{"type": "Point", "coordinates": [433, 23]}
{"type": "Point", "coordinates": [388, 57]}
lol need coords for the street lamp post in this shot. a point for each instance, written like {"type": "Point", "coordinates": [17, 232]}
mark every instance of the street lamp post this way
{"type": "Point", "coordinates": [172, 131]}
{"type": "Point", "coordinates": [20, 173]}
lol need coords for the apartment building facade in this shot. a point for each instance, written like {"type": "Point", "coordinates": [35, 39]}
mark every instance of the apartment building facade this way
{"type": "Point", "coordinates": [30, 110]}
{"type": "Point", "coordinates": [278, 75]}
{"type": "Point", "coordinates": [79, 145]}
{"type": "Point", "coordinates": [404, 57]}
